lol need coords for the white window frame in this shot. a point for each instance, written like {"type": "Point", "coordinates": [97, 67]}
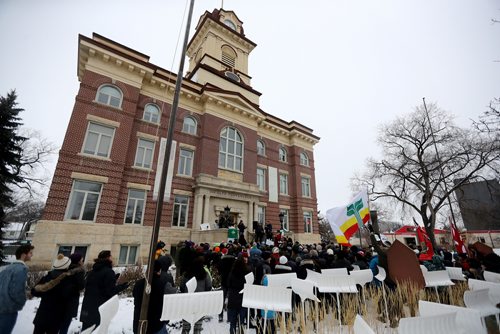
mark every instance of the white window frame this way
{"type": "Point", "coordinates": [308, 228]}
{"type": "Point", "coordinates": [137, 203]}
{"type": "Point", "coordinates": [185, 166]}
{"type": "Point", "coordinates": [180, 207]}
{"type": "Point", "coordinates": [149, 115]}
{"type": "Point", "coordinates": [283, 184]}
{"type": "Point", "coordinates": [84, 203]}
{"type": "Point", "coordinates": [189, 128]}
{"type": "Point", "coordinates": [106, 99]}
{"type": "Point", "coordinates": [262, 149]}
{"type": "Point", "coordinates": [304, 159]}
{"type": "Point", "coordinates": [305, 182]}
{"type": "Point", "coordinates": [282, 154]}
{"type": "Point", "coordinates": [261, 215]}
{"type": "Point", "coordinates": [100, 136]}
{"type": "Point", "coordinates": [228, 159]}
{"type": "Point", "coordinates": [128, 262]}
{"type": "Point", "coordinates": [286, 219]}
{"type": "Point", "coordinates": [141, 153]}
{"type": "Point", "coordinates": [261, 178]}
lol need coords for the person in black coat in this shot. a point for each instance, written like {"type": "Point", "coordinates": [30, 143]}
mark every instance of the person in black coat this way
{"type": "Point", "coordinates": [236, 281]}
{"type": "Point", "coordinates": [224, 267]}
{"type": "Point", "coordinates": [99, 287]}
{"type": "Point", "coordinates": [55, 292]}
{"type": "Point", "coordinates": [158, 287]}
{"type": "Point", "coordinates": [78, 283]}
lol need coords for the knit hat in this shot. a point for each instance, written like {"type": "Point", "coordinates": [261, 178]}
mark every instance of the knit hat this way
{"type": "Point", "coordinates": [224, 251]}
{"type": "Point", "coordinates": [276, 250]}
{"type": "Point", "coordinates": [62, 262]}
{"type": "Point", "coordinates": [313, 253]}
{"type": "Point", "coordinates": [217, 249]}
{"type": "Point", "coordinates": [329, 251]}
{"type": "Point", "coordinates": [104, 254]}
{"type": "Point", "coordinates": [283, 259]}
{"type": "Point", "coordinates": [75, 258]}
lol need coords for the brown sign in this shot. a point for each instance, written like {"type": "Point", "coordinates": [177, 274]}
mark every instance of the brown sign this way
{"type": "Point", "coordinates": [403, 265]}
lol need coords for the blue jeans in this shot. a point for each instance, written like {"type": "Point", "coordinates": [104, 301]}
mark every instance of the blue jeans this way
{"type": "Point", "coordinates": [7, 322]}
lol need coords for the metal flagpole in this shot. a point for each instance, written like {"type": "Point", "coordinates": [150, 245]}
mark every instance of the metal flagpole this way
{"type": "Point", "coordinates": [440, 166]}
{"type": "Point", "coordinates": [161, 191]}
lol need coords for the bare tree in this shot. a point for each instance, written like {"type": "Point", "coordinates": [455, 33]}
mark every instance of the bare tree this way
{"type": "Point", "coordinates": [413, 175]}
{"type": "Point", "coordinates": [25, 211]}
{"type": "Point", "coordinates": [325, 230]}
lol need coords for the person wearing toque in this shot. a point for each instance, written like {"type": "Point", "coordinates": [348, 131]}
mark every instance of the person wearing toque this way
{"type": "Point", "coordinates": [53, 289]}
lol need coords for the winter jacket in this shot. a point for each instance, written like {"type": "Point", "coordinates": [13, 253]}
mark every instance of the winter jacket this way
{"type": "Point", "coordinates": [304, 265]}
{"type": "Point", "coordinates": [282, 269]}
{"type": "Point", "coordinates": [13, 287]}
{"type": "Point", "coordinates": [235, 284]}
{"type": "Point", "coordinates": [155, 303]}
{"type": "Point", "coordinates": [262, 269]}
{"type": "Point", "coordinates": [99, 287]}
{"type": "Point", "coordinates": [225, 265]}
{"type": "Point", "coordinates": [204, 284]}
{"type": "Point", "coordinates": [56, 290]}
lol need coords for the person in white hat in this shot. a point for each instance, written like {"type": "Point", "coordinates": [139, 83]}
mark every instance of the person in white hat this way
{"type": "Point", "coordinates": [53, 289]}
{"type": "Point", "coordinates": [282, 267]}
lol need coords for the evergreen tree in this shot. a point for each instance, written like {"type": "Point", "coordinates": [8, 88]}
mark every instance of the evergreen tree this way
{"type": "Point", "coordinates": [10, 154]}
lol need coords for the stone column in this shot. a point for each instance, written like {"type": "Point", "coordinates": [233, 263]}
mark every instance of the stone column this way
{"type": "Point", "coordinates": [197, 214]}
{"type": "Point", "coordinates": [206, 212]}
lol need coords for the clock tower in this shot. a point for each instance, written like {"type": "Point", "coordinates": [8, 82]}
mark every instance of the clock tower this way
{"type": "Point", "coordinates": [218, 54]}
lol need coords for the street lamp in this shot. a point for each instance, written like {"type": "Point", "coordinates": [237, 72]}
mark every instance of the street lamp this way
{"type": "Point", "coordinates": [282, 217]}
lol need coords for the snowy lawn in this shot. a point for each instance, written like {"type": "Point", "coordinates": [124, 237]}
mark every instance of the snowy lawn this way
{"type": "Point", "coordinates": [121, 324]}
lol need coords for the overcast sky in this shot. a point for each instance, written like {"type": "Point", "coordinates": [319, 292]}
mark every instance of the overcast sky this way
{"type": "Point", "coordinates": [339, 67]}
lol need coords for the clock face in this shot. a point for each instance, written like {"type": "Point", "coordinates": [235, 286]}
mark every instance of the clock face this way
{"type": "Point", "coordinates": [230, 24]}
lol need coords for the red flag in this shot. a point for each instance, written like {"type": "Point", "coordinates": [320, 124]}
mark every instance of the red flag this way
{"type": "Point", "coordinates": [424, 238]}
{"type": "Point", "coordinates": [457, 239]}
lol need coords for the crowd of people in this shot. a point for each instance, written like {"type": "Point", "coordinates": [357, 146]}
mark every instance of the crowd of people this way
{"type": "Point", "coordinates": [227, 263]}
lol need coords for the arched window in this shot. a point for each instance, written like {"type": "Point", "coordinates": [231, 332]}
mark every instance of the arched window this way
{"type": "Point", "coordinates": [151, 113]}
{"type": "Point", "coordinates": [189, 125]}
{"type": "Point", "coordinates": [282, 154]}
{"type": "Point", "coordinates": [261, 147]}
{"type": "Point", "coordinates": [228, 56]}
{"type": "Point", "coordinates": [231, 149]}
{"type": "Point", "coordinates": [109, 95]}
{"type": "Point", "coordinates": [304, 159]}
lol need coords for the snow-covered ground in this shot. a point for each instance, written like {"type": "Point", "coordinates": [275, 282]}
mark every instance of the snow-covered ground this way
{"type": "Point", "coordinates": [122, 322]}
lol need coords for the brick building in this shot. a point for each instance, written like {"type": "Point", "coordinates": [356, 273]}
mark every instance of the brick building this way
{"type": "Point", "coordinates": [227, 151]}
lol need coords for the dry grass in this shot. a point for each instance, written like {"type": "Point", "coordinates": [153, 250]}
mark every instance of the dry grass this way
{"type": "Point", "coordinates": [402, 302]}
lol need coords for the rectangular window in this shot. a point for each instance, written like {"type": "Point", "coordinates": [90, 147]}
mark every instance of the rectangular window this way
{"type": "Point", "coordinates": [261, 179]}
{"type": "Point", "coordinates": [306, 186]}
{"type": "Point", "coordinates": [261, 215]}
{"type": "Point", "coordinates": [84, 200]}
{"type": "Point", "coordinates": [283, 184]}
{"type": "Point", "coordinates": [286, 219]}
{"type": "Point", "coordinates": [98, 140]}
{"type": "Point", "coordinates": [144, 154]}
{"type": "Point", "coordinates": [128, 255]}
{"type": "Point", "coordinates": [67, 250]}
{"type": "Point", "coordinates": [185, 162]}
{"type": "Point", "coordinates": [180, 211]}
{"type": "Point", "coordinates": [308, 222]}
{"type": "Point", "coordinates": [135, 206]}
